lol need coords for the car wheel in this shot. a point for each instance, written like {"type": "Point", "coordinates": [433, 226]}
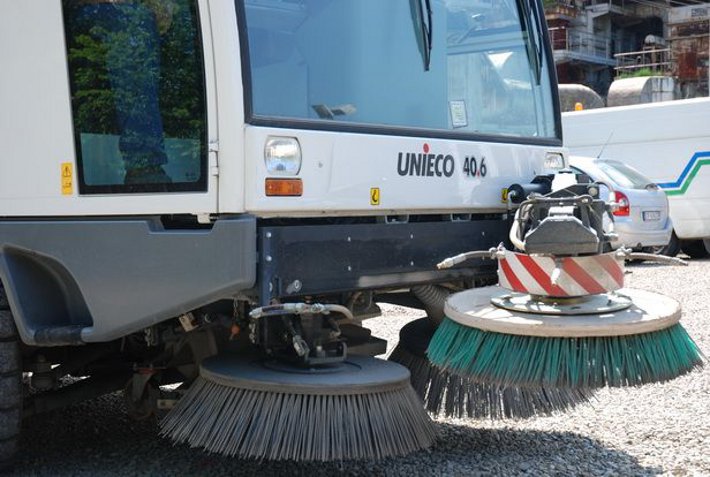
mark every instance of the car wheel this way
{"type": "Point", "coordinates": [694, 248]}
{"type": "Point", "coordinates": [671, 249]}
{"type": "Point", "coordinates": [10, 385]}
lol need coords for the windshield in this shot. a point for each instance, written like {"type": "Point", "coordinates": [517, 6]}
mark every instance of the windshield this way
{"type": "Point", "coordinates": [623, 175]}
{"type": "Point", "coordinates": [467, 66]}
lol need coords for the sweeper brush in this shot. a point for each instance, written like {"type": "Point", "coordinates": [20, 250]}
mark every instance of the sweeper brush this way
{"type": "Point", "coordinates": [638, 345]}
{"type": "Point", "coordinates": [363, 408]}
{"type": "Point", "coordinates": [315, 406]}
{"type": "Point", "coordinates": [564, 321]}
{"type": "Point", "coordinates": [448, 394]}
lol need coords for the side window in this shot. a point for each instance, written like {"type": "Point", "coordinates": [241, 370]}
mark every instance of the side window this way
{"type": "Point", "coordinates": [138, 95]}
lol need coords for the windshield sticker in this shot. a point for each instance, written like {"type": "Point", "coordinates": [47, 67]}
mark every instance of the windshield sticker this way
{"type": "Point", "coordinates": [458, 113]}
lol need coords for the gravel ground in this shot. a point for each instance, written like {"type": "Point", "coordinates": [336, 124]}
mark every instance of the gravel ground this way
{"type": "Point", "coordinates": [656, 429]}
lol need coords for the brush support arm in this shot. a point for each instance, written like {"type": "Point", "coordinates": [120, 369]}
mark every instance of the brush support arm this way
{"type": "Point", "coordinates": [299, 309]}
{"type": "Point", "coordinates": [627, 254]}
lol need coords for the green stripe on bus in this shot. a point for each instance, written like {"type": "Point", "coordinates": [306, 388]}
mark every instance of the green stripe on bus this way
{"type": "Point", "coordinates": [689, 178]}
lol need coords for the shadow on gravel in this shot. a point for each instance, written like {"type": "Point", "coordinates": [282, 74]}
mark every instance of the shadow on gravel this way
{"type": "Point", "coordinates": [648, 264]}
{"type": "Point", "coordinates": [530, 452]}
{"type": "Point", "coordinates": [97, 438]}
{"type": "Point", "coordinates": [652, 265]}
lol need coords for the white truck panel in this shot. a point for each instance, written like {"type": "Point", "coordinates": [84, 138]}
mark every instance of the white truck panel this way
{"type": "Point", "coordinates": [36, 133]}
{"type": "Point", "coordinates": [230, 105]}
{"type": "Point", "coordinates": [669, 142]}
{"type": "Point", "coordinates": [340, 170]}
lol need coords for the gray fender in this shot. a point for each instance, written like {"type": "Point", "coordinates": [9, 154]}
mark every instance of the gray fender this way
{"type": "Point", "coordinates": [78, 281]}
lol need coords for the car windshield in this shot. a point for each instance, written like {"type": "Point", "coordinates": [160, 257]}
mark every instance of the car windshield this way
{"type": "Point", "coordinates": [624, 175]}
{"type": "Point", "coordinates": [460, 66]}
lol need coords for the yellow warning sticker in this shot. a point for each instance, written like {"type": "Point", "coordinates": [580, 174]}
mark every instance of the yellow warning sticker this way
{"type": "Point", "coordinates": [67, 178]}
{"type": "Point", "coordinates": [504, 195]}
{"type": "Point", "coordinates": [374, 196]}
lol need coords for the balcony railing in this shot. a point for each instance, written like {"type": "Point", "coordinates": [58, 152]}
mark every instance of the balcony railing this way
{"type": "Point", "coordinates": [657, 61]}
{"type": "Point", "coordinates": [561, 8]}
{"type": "Point", "coordinates": [583, 43]}
{"type": "Point", "coordinates": [632, 8]}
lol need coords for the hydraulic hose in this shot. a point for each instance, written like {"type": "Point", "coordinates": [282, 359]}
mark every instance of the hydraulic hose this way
{"type": "Point", "coordinates": [433, 297]}
{"type": "Point", "coordinates": [650, 257]}
{"type": "Point", "coordinates": [462, 257]}
{"type": "Point", "coordinates": [300, 309]}
{"type": "Point", "coordinates": [514, 234]}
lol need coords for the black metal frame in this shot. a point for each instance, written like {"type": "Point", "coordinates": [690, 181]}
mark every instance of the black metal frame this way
{"type": "Point", "coordinates": [298, 260]}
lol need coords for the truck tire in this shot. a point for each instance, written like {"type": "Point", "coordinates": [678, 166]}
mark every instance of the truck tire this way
{"type": "Point", "coordinates": [694, 248]}
{"type": "Point", "coordinates": [10, 385]}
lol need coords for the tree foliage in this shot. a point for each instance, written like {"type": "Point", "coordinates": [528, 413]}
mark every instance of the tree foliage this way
{"type": "Point", "coordinates": [136, 59]}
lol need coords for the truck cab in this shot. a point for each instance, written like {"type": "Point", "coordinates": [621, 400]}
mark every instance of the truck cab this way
{"type": "Point", "coordinates": [171, 165]}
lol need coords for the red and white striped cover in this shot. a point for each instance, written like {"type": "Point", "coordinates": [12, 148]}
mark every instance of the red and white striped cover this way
{"type": "Point", "coordinates": [579, 276]}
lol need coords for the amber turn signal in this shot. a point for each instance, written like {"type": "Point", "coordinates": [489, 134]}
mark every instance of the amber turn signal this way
{"type": "Point", "coordinates": [284, 187]}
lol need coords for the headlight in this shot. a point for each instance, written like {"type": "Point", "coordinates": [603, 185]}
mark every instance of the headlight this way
{"type": "Point", "coordinates": [554, 160]}
{"type": "Point", "coordinates": [282, 156]}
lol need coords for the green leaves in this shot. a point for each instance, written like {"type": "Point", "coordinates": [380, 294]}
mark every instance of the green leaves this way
{"type": "Point", "coordinates": [172, 64]}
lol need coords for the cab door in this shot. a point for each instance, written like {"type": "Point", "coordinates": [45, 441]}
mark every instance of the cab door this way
{"type": "Point", "coordinates": [140, 103]}
{"type": "Point", "coordinates": [120, 104]}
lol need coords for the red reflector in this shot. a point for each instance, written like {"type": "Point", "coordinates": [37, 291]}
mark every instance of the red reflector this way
{"type": "Point", "coordinates": [283, 187]}
{"type": "Point", "coordinates": [624, 206]}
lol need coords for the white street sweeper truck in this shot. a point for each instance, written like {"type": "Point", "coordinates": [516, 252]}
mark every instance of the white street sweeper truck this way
{"type": "Point", "coordinates": [217, 193]}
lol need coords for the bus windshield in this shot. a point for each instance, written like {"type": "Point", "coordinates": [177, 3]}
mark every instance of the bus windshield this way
{"type": "Point", "coordinates": [474, 67]}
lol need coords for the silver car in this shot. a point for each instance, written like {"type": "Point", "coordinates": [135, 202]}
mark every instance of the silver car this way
{"type": "Point", "coordinates": [641, 220]}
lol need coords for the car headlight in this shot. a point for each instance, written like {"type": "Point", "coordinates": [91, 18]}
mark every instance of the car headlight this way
{"type": "Point", "coordinates": [282, 156]}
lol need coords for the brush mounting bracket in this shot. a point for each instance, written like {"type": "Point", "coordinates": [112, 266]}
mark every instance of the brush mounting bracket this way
{"type": "Point", "coordinates": [566, 222]}
{"type": "Point", "coordinates": [300, 333]}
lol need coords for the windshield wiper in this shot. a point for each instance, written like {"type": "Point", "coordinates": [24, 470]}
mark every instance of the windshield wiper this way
{"type": "Point", "coordinates": [528, 14]}
{"type": "Point", "coordinates": [539, 25]}
{"type": "Point", "coordinates": [429, 37]}
{"type": "Point", "coordinates": [423, 24]}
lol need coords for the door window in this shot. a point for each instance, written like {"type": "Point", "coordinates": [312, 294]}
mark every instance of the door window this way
{"type": "Point", "coordinates": [138, 95]}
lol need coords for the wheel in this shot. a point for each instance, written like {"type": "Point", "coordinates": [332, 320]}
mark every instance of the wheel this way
{"type": "Point", "coordinates": [144, 406]}
{"type": "Point", "coordinates": [416, 335]}
{"type": "Point", "coordinates": [694, 248]}
{"type": "Point", "coordinates": [671, 249]}
{"type": "Point", "coordinates": [10, 385]}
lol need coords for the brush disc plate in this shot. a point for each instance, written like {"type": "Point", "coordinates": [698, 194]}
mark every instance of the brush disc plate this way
{"type": "Point", "coordinates": [357, 375]}
{"type": "Point", "coordinates": [581, 305]}
{"type": "Point", "coordinates": [648, 312]}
